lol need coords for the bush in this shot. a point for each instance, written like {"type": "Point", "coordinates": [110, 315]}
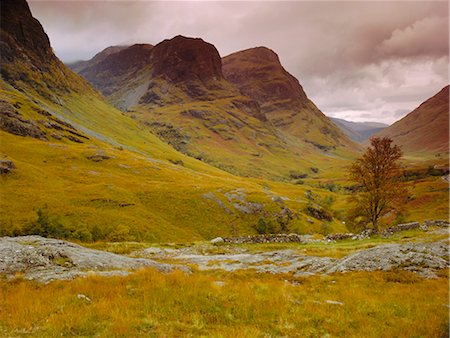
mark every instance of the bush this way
{"type": "Point", "coordinates": [264, 227]}
{"type": "Point", "coordinates": [318, 212]}
{"type": "Point", "coordinates": [46, 226]}
{"type": "Point", "coordinates": [297, 175]}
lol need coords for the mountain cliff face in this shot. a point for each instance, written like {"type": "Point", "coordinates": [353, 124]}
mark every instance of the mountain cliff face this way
{"type": "Point", "coordinates": [182, 59]}
{"type": "Point", "coordinates": [426, 128]}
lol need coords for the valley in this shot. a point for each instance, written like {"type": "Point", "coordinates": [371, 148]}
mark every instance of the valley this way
{"type": "Point", "coordinates": [164, 189]}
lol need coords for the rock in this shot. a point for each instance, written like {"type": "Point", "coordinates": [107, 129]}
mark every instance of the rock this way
{"type": "Point", "coordinates": [98, 157]}
{"type": "Point", "coordinates": [45, 259]}
{"type": "Point", "coordinates": [334, 302]}
{"type": "Point", "coordinates": [6, 166]}
{"type": "Point", "coordinates": [12, 121]}
{"type": "Point", "coordinates": [217, 240]}
{"type": "Point", "coordinates": [84, 297]}
{"type": "Point", "coordinates": [422, 258]}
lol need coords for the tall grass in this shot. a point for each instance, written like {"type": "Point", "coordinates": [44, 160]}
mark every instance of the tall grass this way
{"type": "Point", "coordinates": [396, 304]}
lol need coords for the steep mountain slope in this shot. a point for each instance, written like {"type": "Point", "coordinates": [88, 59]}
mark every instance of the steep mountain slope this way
{"type": "Point", "coordinates": [74, 166]}
{"type": "Point", "coordinates": [182, 95]}
{"type": "Point", "coordinates": [258, 73]}
{"type": "Point", "coordinates": [358, 131]}
{"type": "Point", "coordinates": [426, 128]}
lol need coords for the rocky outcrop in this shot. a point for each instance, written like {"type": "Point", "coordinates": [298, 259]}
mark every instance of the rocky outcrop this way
{"type": "Point", "coordinates": [12, 121]}
{"type": "Point", "coordinates": [45, 259]}
{"type": "Point", "coordinates": [422, 258]}
{"type": "Point", "coordinates": [425, 259]}
{"type": "Point", "coordinates": [6, 166]}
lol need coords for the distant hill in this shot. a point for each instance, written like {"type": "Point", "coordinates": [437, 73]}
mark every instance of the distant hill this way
{"type": "Point", "coordinates": [426, 128]}
{"type": "Point", "coordinates": [358, 131]}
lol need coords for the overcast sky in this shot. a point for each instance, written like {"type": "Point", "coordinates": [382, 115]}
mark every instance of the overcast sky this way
{"type": "Point", "coordinates": [361, 61]}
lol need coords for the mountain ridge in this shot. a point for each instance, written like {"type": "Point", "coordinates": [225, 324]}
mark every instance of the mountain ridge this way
{"type": "Point", "coordinates": [426, 128]}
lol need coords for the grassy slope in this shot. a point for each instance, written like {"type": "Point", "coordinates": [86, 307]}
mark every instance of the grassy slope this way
{"type": "Point", "coordinates": [167, 198]}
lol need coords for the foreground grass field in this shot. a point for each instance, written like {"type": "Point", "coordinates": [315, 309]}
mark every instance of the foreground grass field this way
{"type": "Point", "coordinates": [390, 304]}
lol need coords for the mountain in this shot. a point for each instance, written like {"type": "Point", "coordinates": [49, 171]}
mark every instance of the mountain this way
{"type": "Point", "coordinates": [258, 73]}
{"type": "Point", "coordinates": [73, 166]}
{"type": "Point", "coordinates": [79, 66]}
{"type": "Point", "coordinates": [358, 131]}
{"type": "Point", "coordinates": [182, 91]}
{"type": "Point", "coordinates": [425, 129]}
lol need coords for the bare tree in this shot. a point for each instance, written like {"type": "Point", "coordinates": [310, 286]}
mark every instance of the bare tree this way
{"type": "Point", "coordinates": [377, 174]}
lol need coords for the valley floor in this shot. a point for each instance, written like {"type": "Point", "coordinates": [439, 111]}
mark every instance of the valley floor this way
{"type": "Point", "coordinates": [234, 302]}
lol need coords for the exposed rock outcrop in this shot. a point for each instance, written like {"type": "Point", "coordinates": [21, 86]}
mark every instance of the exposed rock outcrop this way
{"type": "Point", "coordinates": [425, 259]}
{"type": "Point", "coordinates": [45, 259]}
{"type": "Point", "coordinates": [6, 166]}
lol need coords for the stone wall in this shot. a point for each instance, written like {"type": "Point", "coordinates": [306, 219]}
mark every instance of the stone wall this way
{"type": "Point", "coordinates": [276, 238]}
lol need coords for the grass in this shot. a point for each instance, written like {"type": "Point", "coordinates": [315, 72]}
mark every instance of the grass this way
{"type": "Point", "coordinates": [394, 304]}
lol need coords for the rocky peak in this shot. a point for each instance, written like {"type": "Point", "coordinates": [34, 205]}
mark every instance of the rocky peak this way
{"type": "Point", "coordinates": [259, 74]}
{"type": "Point", "coordinates": [183, 59]}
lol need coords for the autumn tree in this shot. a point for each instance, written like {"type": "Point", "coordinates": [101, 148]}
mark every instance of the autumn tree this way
{"type": "Point", "coordinates": [377, 175]}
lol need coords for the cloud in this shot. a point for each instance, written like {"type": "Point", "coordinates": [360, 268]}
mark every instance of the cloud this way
{"type": "Point", "coordinates": [352, 58]}
{"type": "Point", "coordinates": [425, 37]}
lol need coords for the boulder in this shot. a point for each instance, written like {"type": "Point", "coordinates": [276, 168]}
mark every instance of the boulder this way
{"type": "Point", "coordinates": [217, 240]}
{"type": "Point", "coordinates": [6, 166]}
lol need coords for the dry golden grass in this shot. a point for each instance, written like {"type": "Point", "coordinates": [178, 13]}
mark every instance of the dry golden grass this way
{"type": "Point", "coordinates": [395, 304]}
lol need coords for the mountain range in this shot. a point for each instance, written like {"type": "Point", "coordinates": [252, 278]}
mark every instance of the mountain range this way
{"type": "Point", "coordinates": [358, 131]}
{"type": "Point", "coordinates": [243, 113]}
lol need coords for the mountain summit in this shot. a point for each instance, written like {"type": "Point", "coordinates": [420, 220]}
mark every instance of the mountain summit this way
{"type": "Point", "coordinates": [182, 59]}
{"type": "Point", "coordinates": [259, 74]}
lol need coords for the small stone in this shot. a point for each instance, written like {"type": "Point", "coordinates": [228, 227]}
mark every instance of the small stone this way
{"type": "Point", "coordinates": [334, 302]}
{"type": "Point", "coordinates": [217, 240]}
{"type": "Point", "coordinates": [84, 297]}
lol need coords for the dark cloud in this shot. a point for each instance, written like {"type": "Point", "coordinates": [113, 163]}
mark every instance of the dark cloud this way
{"type": "Point", "coordinates": [352, 58]}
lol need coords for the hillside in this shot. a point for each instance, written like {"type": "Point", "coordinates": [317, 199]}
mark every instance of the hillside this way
{"type": "Point", "coordinates": [358, 131]}
{"type": "Point", "coordinates": [179, 91]}
{"type": "Point", "coordinates": [425, 129]}
{"type": "Point", "coordinates": [74, 166]}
